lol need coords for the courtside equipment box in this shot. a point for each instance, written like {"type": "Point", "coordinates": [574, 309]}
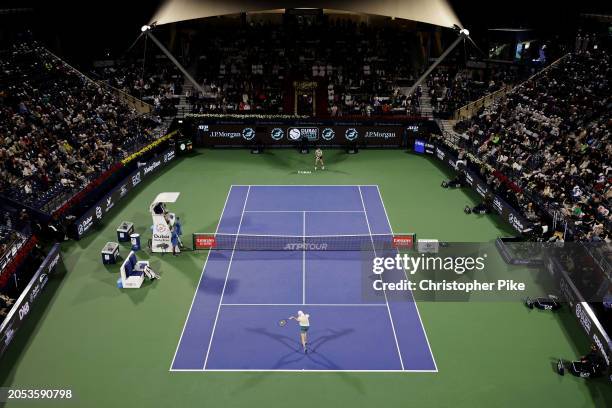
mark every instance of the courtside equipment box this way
{"type": "Point", "coordinates": [135, 240]}
{"type": "Point", "coordinates": [110, 253]}
{"type": "Point", "coordinates": [428, 245]}
{"type": "Point", "coordinates": [124, 231]}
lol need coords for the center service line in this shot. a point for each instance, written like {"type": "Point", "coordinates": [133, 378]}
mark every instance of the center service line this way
{"type": "Point", "coordinates": [304, 258]}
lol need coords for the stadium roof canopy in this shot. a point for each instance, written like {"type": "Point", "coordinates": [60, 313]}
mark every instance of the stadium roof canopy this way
{"type": "Point", "coordinates": [437, 12]}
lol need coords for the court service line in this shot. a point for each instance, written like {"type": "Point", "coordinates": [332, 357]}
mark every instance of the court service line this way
{"type": "Point", "coordinates": [381, 278]}
{"type": "Point", "coordinates": [229, 266]}
{"type": "Point", "coordinates": [222, 234]}
{"type": "Point", "coordinates": [304, 258]}
{"type": "Point", "coordinates": [308, 304]}
{"type": "Point", "coordinates": [199, 281]}
{"type": "Point", "coordinates": [303, 185]}
{"type": "Point", "coordinates": [416, 306]}
{"type": "Point", "coordinates": [281, 370]}
{"type": "Point", "coordinates": [301, 211]}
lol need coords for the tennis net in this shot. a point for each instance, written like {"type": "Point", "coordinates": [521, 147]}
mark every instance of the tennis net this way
{"type": "Point", "coordinates": [251, 242]}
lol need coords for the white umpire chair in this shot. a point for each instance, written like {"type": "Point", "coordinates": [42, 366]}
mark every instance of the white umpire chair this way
{"type": "Point", "coordinates": [163, 221]}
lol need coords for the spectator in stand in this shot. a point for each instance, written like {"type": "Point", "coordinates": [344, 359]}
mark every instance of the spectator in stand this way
{"type": "Point", "coordinates": [251, 67]}
{"type": "Point", "coordinates": [58, 129]}
{"type": "Point", "coordinates": [552, 138]}
{"type": "Point", "coordinates": [5, 306]}
{"type": "Point", "coordinates": [160, 84]}
{"type": "Point", "coordinates": [450, 89]}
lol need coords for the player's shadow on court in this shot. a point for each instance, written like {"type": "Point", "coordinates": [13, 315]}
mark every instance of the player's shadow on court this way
{"type": "Point", "coordinates": [282, 339]}
{"type": "Point", "coordinates": [335, 334]}
{"type": "Point", "coordinates": [296, 353]}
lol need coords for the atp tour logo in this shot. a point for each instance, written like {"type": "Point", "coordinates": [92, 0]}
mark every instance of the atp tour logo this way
{"type": "Point", "coordinates": [328, 134]}
{"type": "Point", "coordinates": [277, 134]}
{"type": "Point", "coordinates": [296, 246]}
{"type": "Point", "coordinates": [351, 134]}
{"type": "Point", "coordinates": [248, 133]}
{"type": "Point", "coordinates": [98, 212]}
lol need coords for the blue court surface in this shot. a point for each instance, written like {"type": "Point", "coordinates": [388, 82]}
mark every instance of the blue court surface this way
{"type": "Point", "coordinates": [232, 324]}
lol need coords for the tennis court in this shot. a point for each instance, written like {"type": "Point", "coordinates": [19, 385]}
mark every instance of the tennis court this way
{"type": "Point", "coordinates": [139, 330]}
{"type": "Point", "coordinates": [232, 324]}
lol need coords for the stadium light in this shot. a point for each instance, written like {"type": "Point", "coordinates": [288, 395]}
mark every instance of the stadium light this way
{"type": "Point", "coordinates": [463, 34]}
{"type": "Point", "coordinates": [147, 30]}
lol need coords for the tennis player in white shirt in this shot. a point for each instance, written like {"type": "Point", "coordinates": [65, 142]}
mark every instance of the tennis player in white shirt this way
{"type": "Point", "coordinates": [303, 320]}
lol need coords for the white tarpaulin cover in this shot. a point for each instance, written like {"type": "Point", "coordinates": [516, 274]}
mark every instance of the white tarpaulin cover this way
{"type": "Point", "coordinates": [437, 12]}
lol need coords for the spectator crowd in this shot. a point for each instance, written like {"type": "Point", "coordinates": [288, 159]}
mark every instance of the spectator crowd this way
{"type": "Point", "coordinates": [157, 82]}
{"type": "Point", "coordinates": [451, 89]}
{"type": "Point", "coordinates": [58, 129]}
{"type": "Point", "coordinates": [250, 67]}
{"type": "Point", "coordinates": [552, 138]}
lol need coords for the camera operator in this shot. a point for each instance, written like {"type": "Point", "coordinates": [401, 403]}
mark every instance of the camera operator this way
{"type": "Point", "coordinates": [485, 205]}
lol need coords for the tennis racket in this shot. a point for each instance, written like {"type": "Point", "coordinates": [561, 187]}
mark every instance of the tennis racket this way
{"type": "Point", "coordinates": [282, 322]}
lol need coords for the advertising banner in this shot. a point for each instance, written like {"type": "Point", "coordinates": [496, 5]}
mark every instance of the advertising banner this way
{"type": "Point", "coordinates": [421, 146]}
{"type": "Point", "coordinates": [22, 307]}
{"type": "Point", "coordinates": [285, 135]}
{"type": "Point", "coordinates": [98, 211]}
{"type": "Point", "coordinates": [204, 241]}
